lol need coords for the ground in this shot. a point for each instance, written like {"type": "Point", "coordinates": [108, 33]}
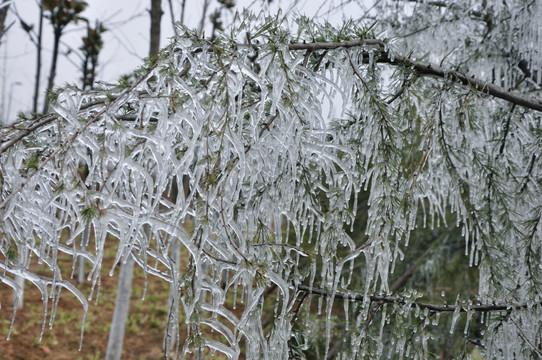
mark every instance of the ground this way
{"type": "Point", "coordinates": [144, 331]}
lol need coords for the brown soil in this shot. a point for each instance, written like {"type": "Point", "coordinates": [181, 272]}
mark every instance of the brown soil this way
{"type": "Point", "coordinates": [143, 335]}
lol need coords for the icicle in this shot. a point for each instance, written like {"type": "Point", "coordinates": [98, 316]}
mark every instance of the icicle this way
{"type": "Point", "coordinates": [467, 323]}
{"type": "Point", "coordinates": [455, 316]}
{"type": "Point", "coordinates": [346, 322]}
{"type": "Point", "coordinates": [54, 307]}
{"type": "Point", "coordinates": [319, 306]}
{"type": "Point", "coordinates": [234, 294]}
{"type": "Point", "coordinates": [18, 294]}
{"type": "Point", "coordinates": [436, 319]}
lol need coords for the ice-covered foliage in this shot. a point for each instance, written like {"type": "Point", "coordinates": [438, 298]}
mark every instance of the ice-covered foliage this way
{"type": "Point", "coordinates": [263, 139]}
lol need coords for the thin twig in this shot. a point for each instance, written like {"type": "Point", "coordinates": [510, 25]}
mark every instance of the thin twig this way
{"type": "Point", "coordinates": [404, 301]}
{"type": "Point", "coordinates": [38, 124]}
{"type": "Point", "coordinates": [204, 14]}
{"type": "Point", "coordinates": [173, 18]}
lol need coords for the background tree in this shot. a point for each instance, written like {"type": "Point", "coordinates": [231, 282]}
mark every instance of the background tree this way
{"type": "Point", "coordinates": [291, 142]}
{"type": "Point", "coordinates": [38, 63]}
{"type": "Point", "coordinates": [36, 39]}
{"type": "Point", "coordinates": [60, 13]}
{"type": "Point", "coordinates": [92, 44]}
{"type": "Point", "coordinates": [4, 7]}
{"type": "Point", "coordinates": [156, 17]}
{"type": "Point", "coordinates": [122, 301]}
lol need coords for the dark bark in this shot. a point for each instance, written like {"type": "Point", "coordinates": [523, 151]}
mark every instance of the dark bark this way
{"type": "Point", "coordinates": [3, 14]}
{"type": "Point", "coordinates": [85, 79]}
{"type": "Point", "coordinates": [38, 64]}
{"type": "Point", "coordinates": [402, 301]}
{"type": "Point", "coordinates": [156, 16]}
{"type": "Point", "coordinates": [52, 72]}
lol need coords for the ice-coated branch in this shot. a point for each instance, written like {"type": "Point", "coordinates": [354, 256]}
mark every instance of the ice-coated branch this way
{"type": "Point", "coordinates": [427, 69]}
{"type": "Point", "coordinates": [38, 124]}
{"type": "Point", "coordinates": [422, 68]}
{"type": "Point", "coordinates": [47, 119]}
{"type": "Point", "coordinates": [402, 301]}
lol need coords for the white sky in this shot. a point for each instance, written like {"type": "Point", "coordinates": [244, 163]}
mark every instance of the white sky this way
{"type": "Point", "coordinates": [126, 42]}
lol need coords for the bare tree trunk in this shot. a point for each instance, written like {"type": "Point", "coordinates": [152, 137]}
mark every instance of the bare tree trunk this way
{"type": "Point", "coordinates": [172, 17]}
{"type": "Point", "coordinates": [183, 6]}
{"type": "Point", "coordinates": [202, 21]}
{"type": "Point", "coordinates": [85, 80]}
{"type": "Point", "coordinates": [156, 15]}
{"type": "Point", "coordinates": [3, 14]}
{"type": "Point", "coordinates": [52, 72]}
{"type": "Point", "coordinates": [120, 316]}
{"type": "Point", "coordinates": [122, 302]}
{"type": "Point", "coordinates": [38, 64]}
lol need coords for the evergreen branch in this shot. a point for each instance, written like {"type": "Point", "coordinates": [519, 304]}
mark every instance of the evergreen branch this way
{"type": "Point", "coordinates": [402, 301]}
{"type": "Point", "coordinates": [38, 124]}
{"type": "Point", "coordinates": [421, 68]}
{"type": "Point", "coordinates": [66, 142]}
{"type": "Point", "coordinates": [506, 129]}
{"type": "Point", "coordinates": [47, 118]}
{"type": "Point", "coordinates": [529, 171]}
{"type": "Point", "coordinates": [426, 69]}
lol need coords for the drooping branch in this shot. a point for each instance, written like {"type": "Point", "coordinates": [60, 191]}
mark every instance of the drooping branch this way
{"type": "Point", "coordinates": [47, 119]}
{"type": "Point", "coordinates": [421, 68]}
{"type": "Point", "coordinates": [42, 121]}
{"type": "Point", "coordinates": [402, 301]}
{"type": "Point", "coordinates": [383, 55]}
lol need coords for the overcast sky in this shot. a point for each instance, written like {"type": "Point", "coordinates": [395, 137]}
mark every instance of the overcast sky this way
{"type": "Point", "coordinates": [126, 42]}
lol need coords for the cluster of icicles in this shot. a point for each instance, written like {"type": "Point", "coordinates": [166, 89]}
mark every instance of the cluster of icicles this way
{"type": "Point", "coordinates": [264, 151]}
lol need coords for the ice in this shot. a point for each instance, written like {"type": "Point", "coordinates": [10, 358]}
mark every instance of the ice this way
{"type": "Point", "coordinates": [346, 315]}
{"type": "Point", "coordinates": [455, 317]}
{"type": "Point", "coordinates": [18, 294]}
{"type": "Point", "coordinates": [269, 158]}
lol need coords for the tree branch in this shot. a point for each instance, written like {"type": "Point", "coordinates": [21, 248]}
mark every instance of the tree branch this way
{"type": "Point", "coordinates": [38, 124]}
{"type": "Point", "coordinates": [48, 118]}
{"type": "Point", "coordinates": [427, 69]}
{"type": "Point", "coordinates": [156, 16]}
{"type": "Point", "coordinates": [45, 119]}
{"type": "Point", "coordinates": [421, 305]}
{"type": "Point", "coordinates": [421, 68]}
